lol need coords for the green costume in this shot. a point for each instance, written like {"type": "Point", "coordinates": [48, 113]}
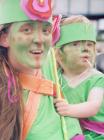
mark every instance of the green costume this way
{"type": "Point", "coordinates": [73, 125]}
{"type": "Point", "coordinates": [81, 32]}
{"type": "Point", "coordinates": [47, 125]}
{"type": "Point", "coordinates": [79, 94]}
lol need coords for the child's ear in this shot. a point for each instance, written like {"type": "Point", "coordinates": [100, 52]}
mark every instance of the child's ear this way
{"type": "Point", "coordinates": [59, 55]}
{"type": "Point", "coordinates": [59, 58]}
{"type": "Point", "coordinates": [4, 40]}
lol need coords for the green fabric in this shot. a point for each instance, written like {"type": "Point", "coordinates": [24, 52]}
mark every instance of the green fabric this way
{"type": "Point", "coordinates": [47, 68]}
{"type": "Point", "coordinates": [47, 125]}
{"type": "Point", "coordinates": [80, 93]}
{"type": "Point", "coordinates": [89, 135]}
{"type": "Point", "coordinates": [10, 11]}
{"type": "Point", "coordinates": [76, 32]}
{"type": "Point", "coordinates": [73, 125]}
{"type": "Point", "coordinates": [25, 95]}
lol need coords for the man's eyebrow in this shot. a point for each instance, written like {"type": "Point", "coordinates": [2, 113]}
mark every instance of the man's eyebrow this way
{"type": "Point", "coordinates": [47, 24]}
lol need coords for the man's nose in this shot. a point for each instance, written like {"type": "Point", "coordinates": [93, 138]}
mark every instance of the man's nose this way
{"type": "Point", "coordinates": [37, 38]}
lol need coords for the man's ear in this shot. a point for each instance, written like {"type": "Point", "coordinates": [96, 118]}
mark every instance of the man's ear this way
{"type": "Point", "coordinates": [4, 40]}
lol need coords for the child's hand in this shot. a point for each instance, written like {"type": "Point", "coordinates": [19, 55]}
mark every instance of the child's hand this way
{"type": "Point", "coordinates": [62, 106]}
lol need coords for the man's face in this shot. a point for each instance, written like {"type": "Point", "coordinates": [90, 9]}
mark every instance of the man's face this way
{"type": "Point", "coordinates": [77, 54]}
{"type": "Point", "coordinates": [29, 43]}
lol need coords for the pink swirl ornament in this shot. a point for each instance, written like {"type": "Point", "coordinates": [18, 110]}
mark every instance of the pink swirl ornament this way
{"type": "Point", "coordinates": [37, 9]}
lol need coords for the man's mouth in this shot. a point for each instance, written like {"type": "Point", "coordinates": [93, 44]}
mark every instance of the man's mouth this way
{"type": "Point", "coordinates": [36, 52]}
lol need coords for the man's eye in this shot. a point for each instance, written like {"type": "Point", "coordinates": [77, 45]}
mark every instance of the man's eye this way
{"type": "Point", "coordinates": [47, 30]}
{"type": "Point", "coordinates": [26, 29]}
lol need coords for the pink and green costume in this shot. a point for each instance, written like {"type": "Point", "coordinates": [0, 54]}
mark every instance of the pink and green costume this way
{"type": "Point", "coordinates": [45, 124]}
{"type": "Point", "coordinates": [93, 126]}
{"type": "Point", "coordinates": [73, 125]}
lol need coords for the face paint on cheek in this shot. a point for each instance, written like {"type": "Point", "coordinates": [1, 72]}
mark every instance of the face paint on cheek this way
{"type": "Point", "coordinates": [81, 47]}
{"type": "Point", "coordinates": [93, 57]}
{"type": "Point", "coordinates": [39, 33]}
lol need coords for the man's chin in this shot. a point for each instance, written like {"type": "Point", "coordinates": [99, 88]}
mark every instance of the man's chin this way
{"type": "Point", "coordinates": [38, 66]}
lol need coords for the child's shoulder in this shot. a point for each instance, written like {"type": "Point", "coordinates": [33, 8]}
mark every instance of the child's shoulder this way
{"type": "Point", "coordinates": [96, 74]}
{"type": "Point", "coordinates": [97, 78]}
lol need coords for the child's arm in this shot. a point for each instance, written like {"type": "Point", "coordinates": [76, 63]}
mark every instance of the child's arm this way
{"type": "Point", "coordinates": [81, 110]}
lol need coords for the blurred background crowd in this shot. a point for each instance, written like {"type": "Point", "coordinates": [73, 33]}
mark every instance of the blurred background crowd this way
{"type": "Point", "coordinates": [93, 10]}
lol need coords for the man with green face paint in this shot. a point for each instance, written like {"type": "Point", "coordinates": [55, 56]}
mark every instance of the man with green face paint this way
{"type": "Point", "coordinates": [26, 103]}
{"type": "Point", "coordinates": [82, 85]}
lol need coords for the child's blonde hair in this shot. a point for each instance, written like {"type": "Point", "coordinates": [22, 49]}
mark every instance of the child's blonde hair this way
{"type": "Point", "coordinates": [75, 19]}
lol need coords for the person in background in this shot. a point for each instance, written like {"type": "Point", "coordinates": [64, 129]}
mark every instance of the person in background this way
{"type": "Point", "coordinates": [99, 46]}
{"type": "Point", "coordinates": [81, 84]}
{"type": "Point", "coordinates": [100, 62]}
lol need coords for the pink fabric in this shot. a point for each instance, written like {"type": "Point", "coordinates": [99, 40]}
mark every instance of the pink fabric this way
{"type": "Point", "coordinates": [12, 98]}
{"type": "Point", "coordinates": [56, 29]}
{"type": "Point", "coordinates": [97, 127]}
{"type": "Point", "coordinates": [78, 137]}
{"type": "Point", "coordinates": [40, 8]}
{"type": "Point", "coordinates": [36, 6]}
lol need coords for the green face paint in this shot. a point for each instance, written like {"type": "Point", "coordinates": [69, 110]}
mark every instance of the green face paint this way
{"type": "Point", "coordinates": [29, 44]}
{"type": "Point", "coordinates": [77, 43]}
{"type": "Point", "coordinates": [76, 55]}
{"type": "Point", "coordinates": [81, 46]}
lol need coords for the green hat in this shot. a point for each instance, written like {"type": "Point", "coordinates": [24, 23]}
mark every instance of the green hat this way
{"type": "Point", "coordinates": [76, 32]}
{"type": "Point", "coordinates": [16, 10]}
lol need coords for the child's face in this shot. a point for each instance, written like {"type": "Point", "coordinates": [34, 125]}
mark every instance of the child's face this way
{"type": "Point", "coordinates": [29, 43]}
{"type": "Point", "coordinates": [77, 54]}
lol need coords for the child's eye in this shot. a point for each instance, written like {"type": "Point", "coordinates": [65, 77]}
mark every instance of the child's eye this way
{"type": "Point", "coordinates": [76, 43]}
{"type": "Point", "coordinates": [90, 44]}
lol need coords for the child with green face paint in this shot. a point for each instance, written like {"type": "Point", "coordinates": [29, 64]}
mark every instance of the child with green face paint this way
{"type": "Point", "coordinates": [81, 84]}
{"type": "Point", "coordinates": [25, 38]}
